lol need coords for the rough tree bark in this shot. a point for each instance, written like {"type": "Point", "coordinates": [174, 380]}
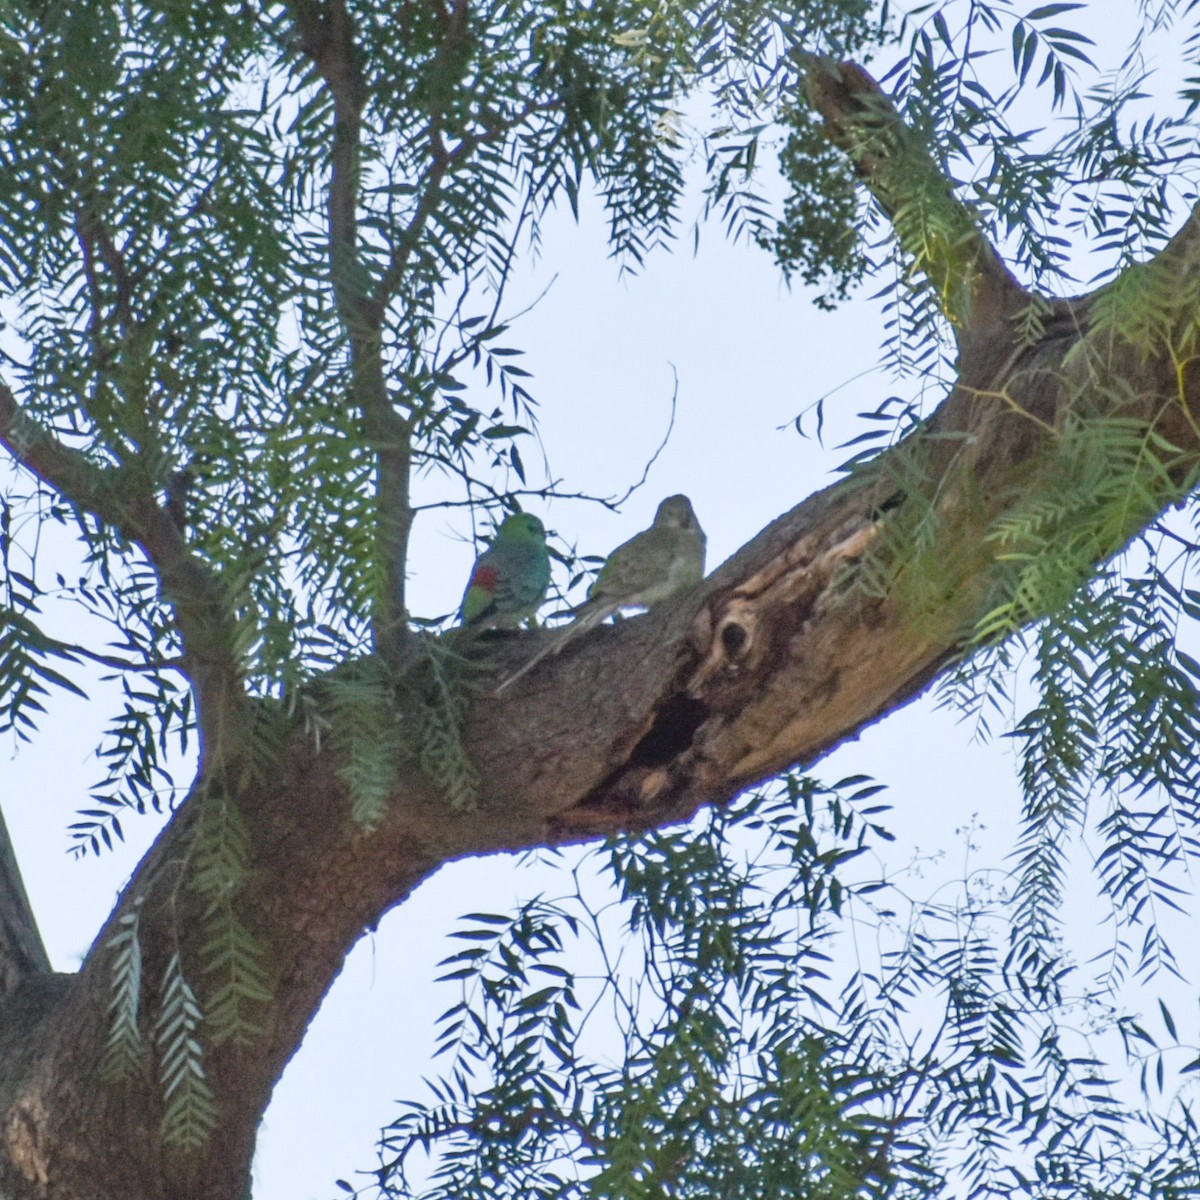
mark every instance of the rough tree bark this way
{"type": "Point", "coordinates": [772, 661]}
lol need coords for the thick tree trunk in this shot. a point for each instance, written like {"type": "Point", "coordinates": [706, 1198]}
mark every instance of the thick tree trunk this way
{"type": "Point", "coordinates": [773, 660]}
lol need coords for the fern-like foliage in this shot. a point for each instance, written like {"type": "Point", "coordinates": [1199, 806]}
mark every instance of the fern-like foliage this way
{"type": "Point", "coordinates": [125, 1048]}
{"type": "Point", "coordinates": [1101, 481]}
{"type": "Point", "coordinates": [190, 1112]}
{"type": "Point", "coordinates": [525, 1107]}
{"type": "Point", "coordinates": [440, 686]}
{"type": "Point", "coordinates": [729, 1048]}
{"type": "Point", "coordinates": [233, 960]}
{"type": "Point", "coordinates": [168, 311]}
{"type": "Point", "coordinates": [359, 703]}
{"type": "Point", "coordinates": [172, 316]}
{"type": "Point", "coordinates": [373, 721]}
{"type": "Point", "coordinates": [138, 755]}
{"type": "Point", "coordinates": [1108, 746]}
{"type": "Point", "coordinates": [232, 957]}
{"type": "Point", "coordinates": [26, 675]}
{"type": "Point", "coordinates": [1118, 472]}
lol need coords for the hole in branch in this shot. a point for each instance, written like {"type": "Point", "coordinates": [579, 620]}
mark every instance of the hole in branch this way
{"type": "Point", "coordinates": [671, 734]}
{"type": "Point", "coordinates": [734, 638]}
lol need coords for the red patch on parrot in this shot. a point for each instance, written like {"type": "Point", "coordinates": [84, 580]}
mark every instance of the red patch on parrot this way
{"type": "Point", "coordinates": [485, 577]}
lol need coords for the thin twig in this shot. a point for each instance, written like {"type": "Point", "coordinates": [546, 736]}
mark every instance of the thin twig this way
{"type": "Point", "coordinates": [661, 445]}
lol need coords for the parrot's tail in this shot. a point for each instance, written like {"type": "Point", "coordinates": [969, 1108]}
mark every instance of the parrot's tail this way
{"type": "Point", "coordinates": [563, 636]}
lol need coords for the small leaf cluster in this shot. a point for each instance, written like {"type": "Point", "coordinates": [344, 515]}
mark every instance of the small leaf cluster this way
{"type": "Point", "coordinates": [358, 702]}
{"type": "Point", "coordinates": [439, 689]}
{"type": "Point", "coordinates": [819, 235]}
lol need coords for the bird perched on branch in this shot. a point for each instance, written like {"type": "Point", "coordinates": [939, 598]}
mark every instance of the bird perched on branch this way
{"type": "Point", "coordinates": [652, 566]}
{"type": "Point", "coordinates": [509, 580]}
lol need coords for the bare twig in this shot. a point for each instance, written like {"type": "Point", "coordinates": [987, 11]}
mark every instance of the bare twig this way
{"type": "Point", "coordinates": [633, 487]}
{"type": "Point", "coordinates": [496, 496]}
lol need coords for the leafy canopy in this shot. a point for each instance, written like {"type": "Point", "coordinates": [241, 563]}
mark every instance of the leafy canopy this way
{"type": "Point", "coordinates": [247, 276]}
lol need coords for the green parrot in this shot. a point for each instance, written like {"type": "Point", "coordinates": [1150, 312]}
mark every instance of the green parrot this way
{"type": "Point", "coordinates": [653, 565]}
{"type": "Point", "coordinates": [509, 580]}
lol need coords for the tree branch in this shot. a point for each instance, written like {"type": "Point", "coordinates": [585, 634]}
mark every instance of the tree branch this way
{"type": "Point", "coordinates": [96, 244]}
{"type": "Point", "coordinates": [327, 37]}
{"type": "Point", "coordinates": [441, 158]}
{"type": "Point", "coordinates": [976, 290]}
{"type": "Point", "coordinates": [21, 951]}
{"type": "Point", "coordinates": [773, 660]}
{"type": "Point", "coordinates": [202, 613]}
{"type": "Point", "coordinates": [442, 161]}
